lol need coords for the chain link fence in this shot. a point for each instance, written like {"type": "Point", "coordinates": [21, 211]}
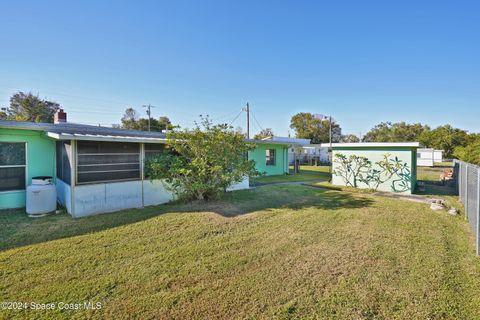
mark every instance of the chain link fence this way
{"type": "Point", "coordinates": [467, 178]}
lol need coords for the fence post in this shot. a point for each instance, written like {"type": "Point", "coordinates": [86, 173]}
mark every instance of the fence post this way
{"type": "Point", "coordinates": [477, 230]}
{"type": "Point", "coordinates": [466, 192]}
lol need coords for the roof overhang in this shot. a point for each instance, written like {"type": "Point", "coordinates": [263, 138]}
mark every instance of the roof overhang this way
{"type": "Point", "coordinates": [273, 142]}
{"type": "Point", "coordinates": [89, 137]}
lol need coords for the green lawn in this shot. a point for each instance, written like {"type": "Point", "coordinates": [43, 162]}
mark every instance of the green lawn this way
{"type": "Point", "coordinates": [307, 173]}
{"type": "Point", "coordinates": [271, 252]}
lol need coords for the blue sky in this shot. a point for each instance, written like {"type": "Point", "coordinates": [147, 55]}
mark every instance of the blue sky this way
{"type": "Point", "coordinates": [360, 61]}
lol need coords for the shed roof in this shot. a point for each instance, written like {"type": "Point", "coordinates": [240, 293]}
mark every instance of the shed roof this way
{"type": "Point", "coordinates": [376, 144]}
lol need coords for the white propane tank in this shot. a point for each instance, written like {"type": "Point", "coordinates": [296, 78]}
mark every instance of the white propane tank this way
{"type": "Point", "coordinates": [41, 196]}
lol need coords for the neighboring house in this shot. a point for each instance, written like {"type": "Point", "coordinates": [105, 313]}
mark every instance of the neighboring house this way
{"type": "Point", "coordinates": [399, 174]}
{"type": "Point", "coordinates": [426, 157]}
{"type": "Point", "coordinates": [310, 154]}
{"type": "Point", "coordinates": [96, 169]}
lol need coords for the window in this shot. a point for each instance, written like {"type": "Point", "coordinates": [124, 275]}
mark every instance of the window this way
{"type": "Point", "coordinates": [107, 161]}
{"type": "Point", "coordinates": [12, 166]}
{"type": "Point", "coordinates": [270, 157]}
{"type": "Point", "coordinates": [64, 155]}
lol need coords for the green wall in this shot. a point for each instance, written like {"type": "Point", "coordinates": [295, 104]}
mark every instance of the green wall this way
{"type": "Point", "coordinates": [40, 161]}
{"type": "Point", "coordinates": [406, 155]}
{"type": "Point", "coordinates": [281, 158]}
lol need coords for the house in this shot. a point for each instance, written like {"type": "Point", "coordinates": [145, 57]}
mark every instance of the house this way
{"type": "Point", "coordinates": [426, 157]}
{"type": "Point", "coordinates": [96, 169]}
{"type": "Point", "coordinates": [272, 154]}
{"type": "Point", "coordinates": [310, 154]}
{"type": "Point", "coordinates": [388, 167]}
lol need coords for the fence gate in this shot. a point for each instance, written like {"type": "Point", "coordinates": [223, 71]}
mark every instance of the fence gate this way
{"type": "Point", "coordinates": [467, 181]}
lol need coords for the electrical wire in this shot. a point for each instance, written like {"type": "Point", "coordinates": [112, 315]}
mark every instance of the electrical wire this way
{"type": "Point", "coordinates": [255, 118]}
{"type": "Point", "coordinates": [238, 115]}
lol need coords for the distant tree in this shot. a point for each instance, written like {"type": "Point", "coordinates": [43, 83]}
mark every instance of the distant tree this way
{"type": "Point", "coordinates": [349, 138]}
{"type": "Point", "coordinates": [132, 120]}
{"type": "Point", "coordinates": [3, 114]}
{"type": "Point", "coordinates": [265, 133]}
{"type": "Point", "coordinates": [395, 132]}
{"type": "Point", "coordinates": [469, 153]}
{"type": "Point", "coordinates": [164, 123]}
{"type": "Point", "coordinates": [308, 126]}
{"type": "Point", "coordinates": [445, 138]}
{"type": "Point", "coordinates": [28, 107]}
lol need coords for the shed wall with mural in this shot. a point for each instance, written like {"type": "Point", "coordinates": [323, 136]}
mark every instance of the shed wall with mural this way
{"type": "Point", "coordinates": [383, 168]}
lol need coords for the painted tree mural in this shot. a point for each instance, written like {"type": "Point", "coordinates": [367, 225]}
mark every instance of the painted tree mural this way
{"type": "Point", "coordinates": [357, 169]}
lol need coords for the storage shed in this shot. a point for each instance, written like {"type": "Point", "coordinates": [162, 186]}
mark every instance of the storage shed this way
{"type": "Point", "coordinates": [388, 167]}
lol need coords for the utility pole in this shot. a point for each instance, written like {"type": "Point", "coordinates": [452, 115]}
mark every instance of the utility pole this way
{"type": "Point", "coordinates": [149, 112]}
{"type": "Point", "coordinates": [248, 121]}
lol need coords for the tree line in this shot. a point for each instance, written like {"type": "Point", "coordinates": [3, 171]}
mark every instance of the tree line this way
{"type": "Point", "coordinates": [455, 142]}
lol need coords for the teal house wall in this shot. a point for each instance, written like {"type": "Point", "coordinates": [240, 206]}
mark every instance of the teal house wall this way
{"type": "Point", "coordinates": [404, 182]}
{"type": "Point", "coordinates": [281, 158]}
{"type": "Point", "coordinates": [40, 161]}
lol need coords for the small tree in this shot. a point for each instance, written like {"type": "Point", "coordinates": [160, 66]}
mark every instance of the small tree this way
{"type": "Point", "coordinates": [205, 161]}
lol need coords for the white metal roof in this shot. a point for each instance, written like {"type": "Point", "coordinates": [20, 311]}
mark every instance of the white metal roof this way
{"type": "Point", "coordinates": [376, 144]}
{"type": "Point", "coordinates": [96, 137]}
{"type": "Point", "coordinates": [80, 129]}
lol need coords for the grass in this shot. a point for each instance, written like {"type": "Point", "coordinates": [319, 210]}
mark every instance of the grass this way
{"type": "Point", "coordinates": [271, 252]}
{"type": "Point", "coordinates": [307, 173]}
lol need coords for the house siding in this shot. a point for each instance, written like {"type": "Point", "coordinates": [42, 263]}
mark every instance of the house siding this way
{"type": "Point", "coordinates": [281, 159]}
{"type": "Point", "coordinates": [40, 161]}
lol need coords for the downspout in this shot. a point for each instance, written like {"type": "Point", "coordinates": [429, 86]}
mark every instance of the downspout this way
{"type": "Point", "coordinates": [142, 171]}
{"type": "Point", "coordinates": [73, 176]}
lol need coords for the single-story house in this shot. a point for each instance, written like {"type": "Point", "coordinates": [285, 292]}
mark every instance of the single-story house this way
{"type": "Point", "coordinates": [426, 157]}
{"type": "Point", "coordinates": [388, 167]}
{"type": "Point", "coordinates": [96, 169]}
{"type": "Point", "coordinates": [272, 154]}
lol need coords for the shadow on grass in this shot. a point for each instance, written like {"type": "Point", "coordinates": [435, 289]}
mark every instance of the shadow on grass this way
{"type": "Point", "coordinates": [16, 229]}
{"type": "Point", "coordinates": [434, 188]}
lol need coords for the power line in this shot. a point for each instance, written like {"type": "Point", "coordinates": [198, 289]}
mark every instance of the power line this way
{"type": "Point", "coordinates": [255, 118]}
{"type": "Point", "coordinates": [238, 115]}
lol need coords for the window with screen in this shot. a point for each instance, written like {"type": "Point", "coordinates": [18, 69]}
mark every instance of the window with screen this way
{"type": "Point", "coordinates": [64, 152]}
{"type": "Point", "coordinates": [99, 161]}
{"type": "Point", "coordinates": [270, 157]}
{"type": "Point", "coordinates": [153, 149]}
{"type": "Point", "coordinates": [12, 166]}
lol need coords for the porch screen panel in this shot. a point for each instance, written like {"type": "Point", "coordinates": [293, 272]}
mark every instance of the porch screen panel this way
{"type": "Point", "coordinates": [154, 149]}
{"type": "Point", "coordinates": [99, 161]}
{"type": "Point", "coordinates": [64, 155]}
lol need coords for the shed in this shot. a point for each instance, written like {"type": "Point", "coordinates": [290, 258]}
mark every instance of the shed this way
{"type": "Point", "coordinates": [388, 167]}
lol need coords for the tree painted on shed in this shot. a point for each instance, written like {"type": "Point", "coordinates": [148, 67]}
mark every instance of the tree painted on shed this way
{"type": "Point", "coordinates": [358, 169]}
